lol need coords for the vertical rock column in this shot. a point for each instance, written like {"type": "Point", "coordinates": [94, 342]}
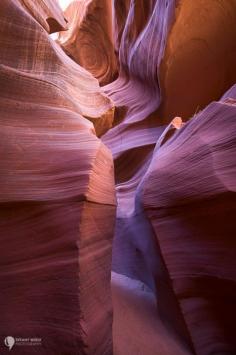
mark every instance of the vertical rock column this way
{"type": "Point", "coordinates": [57, 200]}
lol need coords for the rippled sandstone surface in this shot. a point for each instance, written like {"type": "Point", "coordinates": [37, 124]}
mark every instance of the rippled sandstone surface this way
{"type": "Point", "coordinates": [132, 180]}
{"type": "Point", "coordinates": [57, 201]}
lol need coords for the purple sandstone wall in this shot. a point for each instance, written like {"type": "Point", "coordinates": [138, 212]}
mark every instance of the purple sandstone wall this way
{"type": "Point", "coordinates": [152, 199]}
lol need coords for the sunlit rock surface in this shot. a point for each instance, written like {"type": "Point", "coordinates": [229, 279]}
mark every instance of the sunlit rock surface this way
{"type": "Point", "coordinates": [57, 201]}
{"type": "Point", "coordinates": [167, 123]}
{"type": "Point", "coordinates": [89, 40]}
{"type": "Point", "coordinates": [200, 56]}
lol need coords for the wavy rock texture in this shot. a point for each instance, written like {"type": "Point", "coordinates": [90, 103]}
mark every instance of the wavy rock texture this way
{"type": "Point", "coordinates": [48, 14]}
{"type": "Point", "coordinates": [57, 202]}
{"type": "Point", "coordinates": [172, 139]}
{"type": "Point", "coordinates": [136, 93]}
{"type": "Point", "coordinates": [89, 40]}
{"type": "Point", "coordinates": [172, 65]}
{"type": "Point", "coordinates": [193, 218]}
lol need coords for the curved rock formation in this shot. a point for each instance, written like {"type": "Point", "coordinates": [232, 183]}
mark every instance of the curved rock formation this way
{"type": "Point", "coordinates": [135, 251]}
{"type": "Point", "coordinates": [199, 61]}
{"type": "Point", "coordinates": [48, 14]}
{"type": "Point", "coordinates": [193, 218]}
{"type": "Point", "coordinates": [155, 41]}
{"type": "Point", "coordinates": [89, 40]}
{"type": "Point", "coordinates": [57, 201]}
{"type": "Point", "coordinates": [172, 142]}
{"type": "Point", "coordinates": [44, 57]}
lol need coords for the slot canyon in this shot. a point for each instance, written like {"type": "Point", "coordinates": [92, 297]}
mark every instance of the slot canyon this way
{"type": "Point", "coordinates": [118, 177]}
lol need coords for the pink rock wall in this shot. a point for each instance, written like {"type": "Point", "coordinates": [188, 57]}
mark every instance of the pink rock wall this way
{"type": "Point", "coordinates": [57, 192]}
{"type": "Point", "coordinates": [173, 179]}
{"type": "Point", "coordinates": [193, 218]}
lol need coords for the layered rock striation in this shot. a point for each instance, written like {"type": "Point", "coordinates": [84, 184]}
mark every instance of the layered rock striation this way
{"type": "Point", "coordinates": [175, 180]}
{"type": "Point", "coordinates": [193, 219]}
{"type": "Point", "coordinates": [57, 201]}
{"type": "Point", "coordinates": [89, 40]}
{"type": "Point", "coordinates": [166, 120]}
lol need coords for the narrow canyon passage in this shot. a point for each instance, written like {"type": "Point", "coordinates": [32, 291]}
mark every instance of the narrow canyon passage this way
{"type": "Point", "coordinates": [117, 177]}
